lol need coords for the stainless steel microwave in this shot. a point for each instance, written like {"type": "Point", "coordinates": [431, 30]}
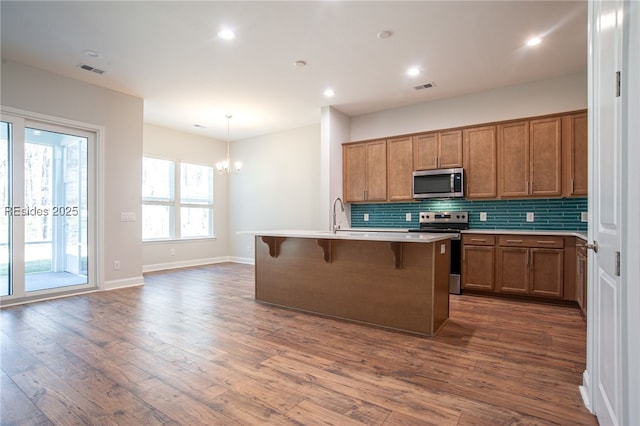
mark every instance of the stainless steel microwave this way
{"type": "Point", "coordinates": [439, 183]}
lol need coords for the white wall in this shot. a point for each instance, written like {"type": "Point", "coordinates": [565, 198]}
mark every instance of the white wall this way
{"type": "Point", "coordinates": [160, 142]}
{"type": "Point", "coordinates": [34, 90]}
{"type": "Point", "coordinates": [567, 93]}
{"type": "Point", "coordinates": [278, 187]}
{"type": "Point", "coordinates": [335, 130]}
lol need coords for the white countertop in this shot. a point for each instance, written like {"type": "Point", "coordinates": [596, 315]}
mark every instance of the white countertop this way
{"type": "Point", "coordinates": [402, 234]}
{"type": "Point", "coordinates": [578, 234]}
{"type": "Point", "coordinates": [360, 235]}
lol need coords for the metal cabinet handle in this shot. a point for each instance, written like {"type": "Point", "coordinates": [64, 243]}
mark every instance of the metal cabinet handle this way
{"type": "Point", "coordinates": [514, 241]}
{"type": "Point", "coordinates": [480, 240]}
{"type": "Point", "coordinates": [546, 242]}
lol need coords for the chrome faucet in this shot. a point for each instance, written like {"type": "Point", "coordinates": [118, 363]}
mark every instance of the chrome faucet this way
{"type": "Point", "coordinates": [334, 224]}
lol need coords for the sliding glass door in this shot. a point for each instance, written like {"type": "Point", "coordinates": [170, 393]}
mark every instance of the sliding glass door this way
{"type": "Point", "coordinates": [47, 228]}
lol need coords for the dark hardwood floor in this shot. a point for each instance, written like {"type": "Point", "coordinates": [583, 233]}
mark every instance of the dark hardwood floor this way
{"type": "Point", "coordinates": [193, 347]}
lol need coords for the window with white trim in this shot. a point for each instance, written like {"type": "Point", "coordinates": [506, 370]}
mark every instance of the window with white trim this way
{"type": "Point", "coordinates": [177, 200]}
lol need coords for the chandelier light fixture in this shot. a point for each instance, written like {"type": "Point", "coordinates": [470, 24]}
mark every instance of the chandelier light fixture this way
{"type": "Point", "coordinates": [224, 167]}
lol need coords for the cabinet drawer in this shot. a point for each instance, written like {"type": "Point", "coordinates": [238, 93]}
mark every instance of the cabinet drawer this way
{"type": "Point", "coordinates": [479, 240]}
{"type": "Point", "coordinates": [534, 241]}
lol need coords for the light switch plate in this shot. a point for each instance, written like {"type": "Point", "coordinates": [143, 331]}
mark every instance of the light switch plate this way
{"type": "Point", "coordinates": [127, 216]}
{"type": "Point", "coordinates": [366, 217]}
{"type": "Point", "coordinates": [584, 216]}
{"type": "Point", "coordinates": [483, 216]}
{"type": "Point", "coordinates": [530, 217]}
{"type": "Point", "coordinates": [407, 217]}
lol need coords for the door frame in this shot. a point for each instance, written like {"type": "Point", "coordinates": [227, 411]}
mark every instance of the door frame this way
{"type": "Point", "coordinates": [630, 267]}
{"type": "Point", "coordinates": [96, 248]}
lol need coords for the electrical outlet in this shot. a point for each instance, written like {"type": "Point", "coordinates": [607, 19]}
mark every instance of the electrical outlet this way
{"type": "Point", "coordinates": [407, 217]}
{"type": "Point", "coordinates": [483, 216]}
{"type": "Point", "coordinates": [116, 265]}
{"type": "Point", "coordinates": [172, 252]}
{"type": "Point", "coordinates": [584, 216]}
{"type": "Point", "coordinates": [366, 217]}
{"type": "Point", "coordinates": [530, 217]}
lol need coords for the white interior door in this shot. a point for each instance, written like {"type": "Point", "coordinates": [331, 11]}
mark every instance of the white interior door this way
{"type": "Point", "coordinates": [604, 351]}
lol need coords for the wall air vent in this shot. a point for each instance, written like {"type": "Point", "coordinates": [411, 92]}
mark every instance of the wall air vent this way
{"type": "Point", "coordinates": [90, 69]}
{"type": "Point", "coordinates": [424, 86]}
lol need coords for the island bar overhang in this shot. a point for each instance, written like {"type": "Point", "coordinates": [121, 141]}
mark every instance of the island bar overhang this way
{"type": "Point", "coordinates": [394, 284]}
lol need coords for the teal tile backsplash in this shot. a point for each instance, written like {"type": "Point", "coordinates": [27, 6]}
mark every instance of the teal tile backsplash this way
{"type": "Point", "coordinates": [562, 214]}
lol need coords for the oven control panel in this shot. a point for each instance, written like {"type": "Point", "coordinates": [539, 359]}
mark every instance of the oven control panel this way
{"type": "Point", "coordinates": [444, 217]}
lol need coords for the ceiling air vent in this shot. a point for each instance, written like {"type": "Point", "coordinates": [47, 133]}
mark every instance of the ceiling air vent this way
{"type": "Point", "coordinates": [90, 68]}
{"type": "Point", "coordinates": [424, 86]}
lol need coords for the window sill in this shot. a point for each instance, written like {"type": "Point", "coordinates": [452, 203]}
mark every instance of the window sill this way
{"type": "Point", "coordinates": [179, 240]}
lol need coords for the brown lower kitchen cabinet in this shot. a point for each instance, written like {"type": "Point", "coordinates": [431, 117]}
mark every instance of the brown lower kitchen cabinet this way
{"type": "Point", "coordinates": [581, 275]}
{"type": "Point", "coordinates": [478, 261]}
{"type": "Point", "coordinates": [532, 265]}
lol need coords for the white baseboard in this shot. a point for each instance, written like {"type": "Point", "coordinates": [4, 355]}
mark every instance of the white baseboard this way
{"type": "Point", "coordinates": [584, 391]}
{"type": "Point", "coordinates": [245, 260]}
{"type": "Point", "coordinates": [185, 264]}
{"type": "Point", "coordinates": [128, 282]}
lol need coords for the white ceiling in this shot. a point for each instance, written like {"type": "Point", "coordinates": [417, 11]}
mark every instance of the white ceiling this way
{"type": "Point", "coordinates": [169, 54]}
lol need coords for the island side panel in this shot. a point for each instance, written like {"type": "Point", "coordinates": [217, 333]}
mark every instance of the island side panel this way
{"type": "Point", "coordinates": [442, 270]}
{"type": "Point", "coordinates": [360, 283]}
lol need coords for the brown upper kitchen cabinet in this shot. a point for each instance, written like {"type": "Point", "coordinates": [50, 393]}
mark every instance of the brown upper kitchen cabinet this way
{"type": "Point", "coordinates": [513, 151]}
{"type": "Point", "coordinates": [365, 171]}
{"type": "Point", "coordinates": [530, 158]}
{"type": "Point", "coordinates": [438, 150]}
{"type": "Point", "coordinates": [480, 162]}
{"type": "Point", "coordinates": [574, 167]}
{"type": "Point", "coordinates": [546, 157]}
{"type": "Point", "coordinates": [400, 168]}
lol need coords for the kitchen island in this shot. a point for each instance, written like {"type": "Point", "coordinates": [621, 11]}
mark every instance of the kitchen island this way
{"type": "Point", "coordinates": [398, 281]}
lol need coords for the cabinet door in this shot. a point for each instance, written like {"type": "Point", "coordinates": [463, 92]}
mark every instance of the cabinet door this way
{"type": "Point", "coordinates": [581, 281]}
{"type": "Point", "coordinates": [480, 162]}
{"type": "Point", "coordinates": [545, 157]}
{"type": "Point", "coordinates": [513, 148]}
{"type": "Point", "coordinates": [477, 267]}
{"type": "Point", "coordinates": [376, 171]}
{"type": "Point", "coordinates": [574, 141]}
{"type": "Point", "coordinates": [513, 270]}
{"type": "Point", "coordinates": [425, 151]}
{"type": "Point", "coordinates": [400, 168]}
{"type": "Point", "coordinates": [354, 163]}
{"type": "Point", "coordinates": [450, 149]}
{"type": "Point", "coordinates": [547, 272]}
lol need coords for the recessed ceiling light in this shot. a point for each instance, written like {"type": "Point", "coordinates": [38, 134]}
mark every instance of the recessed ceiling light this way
{"type": "Point", "coordinates": [384, 34]}
{"type": "Point", "coordinates": [413, 71]}
{"type": "Point", "coordinates": [329, 93]}
{"type": "Point", "coordinates": [534, 41]}
{"type": "Point", "coordinates": [226, 34]}
{"type": "Point", "coordinates": [199, 126]}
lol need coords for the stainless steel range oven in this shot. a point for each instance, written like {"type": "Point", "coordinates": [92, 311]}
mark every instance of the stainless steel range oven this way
{"type": "Point", "coordinates": [450, 223]}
